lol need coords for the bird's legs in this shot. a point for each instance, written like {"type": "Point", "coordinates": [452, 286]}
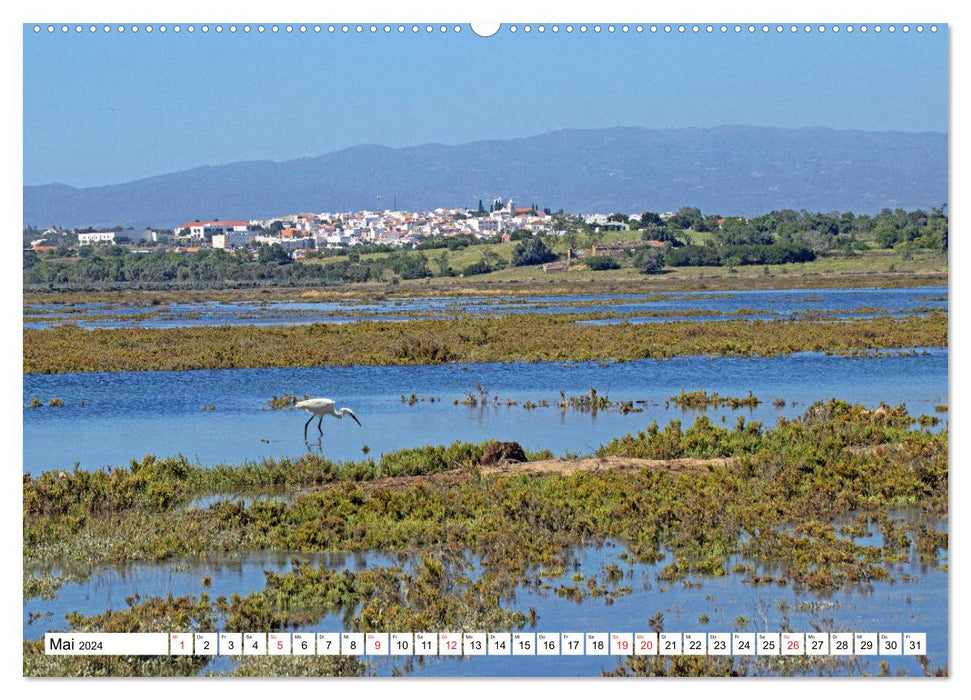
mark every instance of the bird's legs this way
{"type": "Point", "coordinates": [319, 429]}
{"type": "Point", "coordinates": [305, 426]}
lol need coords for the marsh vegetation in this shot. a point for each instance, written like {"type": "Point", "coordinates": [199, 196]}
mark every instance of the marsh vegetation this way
{"type": "Point", "coordinates": [522, 338]}
{"type": "Point", "coordinates": [775, 501]}
{"type": "Point", "coordinates": [833, 498]}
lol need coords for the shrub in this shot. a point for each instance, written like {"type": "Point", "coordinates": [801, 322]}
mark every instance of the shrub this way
{"type": "Point", "coordinates": [481, 267]}
{"type": "Point", "coordinates": [602, 262]}
{"type": "Point", "coordinates": [429, 459]}
{"type": "Point", "coordinates": [650, 261]}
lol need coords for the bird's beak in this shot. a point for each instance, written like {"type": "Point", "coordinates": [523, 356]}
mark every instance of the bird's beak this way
{"type": "Point", "coordinates": [351, 414]}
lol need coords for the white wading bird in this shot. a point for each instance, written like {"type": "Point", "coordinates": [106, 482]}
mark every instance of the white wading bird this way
{"type": "Point", "coordinates": [322, 407]}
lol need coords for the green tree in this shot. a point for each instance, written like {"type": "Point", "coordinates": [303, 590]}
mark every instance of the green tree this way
{"type": "Point", "coordinates": [650, 218]}
{"type": "Point", "coordinates": [688, 217]}
{"type": "Point", "coordinates": [273, 254]}
{"type": "Point", "coordinates": [409, 266]}
{"type": "Point", "coordinates": [532, 251]}
{"type": "Point", "coordinates": [649, 260]}
{"type": "Point", "coordinates": [656, 232]}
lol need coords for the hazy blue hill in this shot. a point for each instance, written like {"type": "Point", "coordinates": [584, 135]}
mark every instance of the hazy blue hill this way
{"type": "Point", "coordinates": [728, 170]}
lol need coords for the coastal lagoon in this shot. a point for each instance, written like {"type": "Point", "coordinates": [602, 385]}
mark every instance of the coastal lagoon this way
{"type": "Point", "coordinates": [223, 416]}
{"type": "Point", "coordinates": [754, 304]}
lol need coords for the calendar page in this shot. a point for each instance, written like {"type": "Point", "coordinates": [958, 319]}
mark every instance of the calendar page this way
{"type": "Point", "coordinates": [514, 349]}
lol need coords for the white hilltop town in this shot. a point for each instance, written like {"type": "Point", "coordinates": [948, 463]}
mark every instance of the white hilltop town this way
{"type": "Point", "coordinates": [307, 230]}
{"type": "Point", "coordinates": [304, 232]}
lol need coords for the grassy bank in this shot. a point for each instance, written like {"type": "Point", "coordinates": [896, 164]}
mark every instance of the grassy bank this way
{"type": "Point", "coordinates": [523, 338]}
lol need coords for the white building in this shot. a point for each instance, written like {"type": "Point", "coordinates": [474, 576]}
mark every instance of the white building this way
{"type": "Point", "coordinates": [199, 229]}
{"type": "Point", "coordinates": [613, 226]}
{"type": "Point", "coordinates": [96, 237]}
{"type": "Point", "coordinates": [232, 239]}
{"type": "Point", "coordinates": [337, 239]}
{"type": "Point", "coordinates": [484, 225]}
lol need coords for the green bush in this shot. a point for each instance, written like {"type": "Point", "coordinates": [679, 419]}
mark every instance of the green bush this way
{"type": "Point", "coordinates": [602, 262]}
{"type": "Point", "coordinates": [650, 261]}
{"type": "Point", "coordinates": [430, 459]}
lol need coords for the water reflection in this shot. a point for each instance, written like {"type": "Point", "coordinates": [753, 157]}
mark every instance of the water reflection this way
{"type": "Point", "coordinates": [915, 602]}
{"type": "Point", "coordinates": [126, 415]}
{"type": "Point", "coordinates": [733, 304]}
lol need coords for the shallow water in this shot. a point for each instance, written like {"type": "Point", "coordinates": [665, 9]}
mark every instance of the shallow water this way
{"type": "Point", "coordinates": [130, 414]}
{"type": "Point", "coordinates": [845, 303]}
{"type": "Point", "coordinates": [918, 605]}
{"type": "Point", "coordinates": [107, 588]}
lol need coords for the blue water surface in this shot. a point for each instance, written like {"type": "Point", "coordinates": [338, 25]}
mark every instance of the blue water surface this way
{"type": "Point", "coordinates": [765, 304]}
{"type": "Point", "coordinates": [917, 604]}
{"type": "Point", "coordinates": [127, 415]}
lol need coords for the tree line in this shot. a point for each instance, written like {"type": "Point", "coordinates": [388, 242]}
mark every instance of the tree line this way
{"type": "Point", "coordinates": [689, 238]}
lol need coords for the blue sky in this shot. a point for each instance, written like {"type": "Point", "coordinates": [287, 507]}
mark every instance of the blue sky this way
{"type": "Point", "coordinates": [102, 109]}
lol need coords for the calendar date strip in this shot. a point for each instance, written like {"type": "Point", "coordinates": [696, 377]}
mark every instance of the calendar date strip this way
{"type": "Point", "coordinates": [487, 644]}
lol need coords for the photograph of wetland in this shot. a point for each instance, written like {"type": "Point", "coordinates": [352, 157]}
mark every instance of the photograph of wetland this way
{"type": "Point", "coordinates": [536, 328]}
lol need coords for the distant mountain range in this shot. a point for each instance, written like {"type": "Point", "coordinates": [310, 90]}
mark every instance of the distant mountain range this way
{"type": "Point", "coordinates": [740, 170]}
